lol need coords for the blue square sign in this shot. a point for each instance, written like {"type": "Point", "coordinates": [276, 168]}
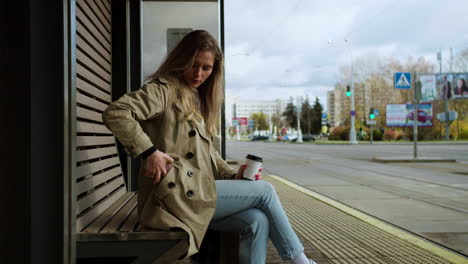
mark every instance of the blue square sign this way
{"type": "Point", "coordinates": [402, 80]}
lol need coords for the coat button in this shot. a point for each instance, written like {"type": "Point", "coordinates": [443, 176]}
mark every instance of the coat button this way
{"type": "Point", "coordinates": [192, 133]}
{"type": "Point", "coordinates": [190, 173]}
{"type": "Point", "coordinates": [190, 193]}
{"type": "Point", "coordinates": [171, 185]}
{"type": "Point", "coordinates": [189, 155]}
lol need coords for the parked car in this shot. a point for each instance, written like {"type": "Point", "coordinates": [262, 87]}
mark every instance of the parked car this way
{"type": "Point", "coordinates": [309, 137]}
{"type": "Point", "coordinates": [259, 137]}
{"type": "Point", "coordinates": [422, 116]}
{"type": "Point", "coordinates": [306, 137]}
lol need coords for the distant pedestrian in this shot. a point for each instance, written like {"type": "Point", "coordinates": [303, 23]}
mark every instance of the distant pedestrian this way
{"type": "Point", "coordinates": [445, 89]}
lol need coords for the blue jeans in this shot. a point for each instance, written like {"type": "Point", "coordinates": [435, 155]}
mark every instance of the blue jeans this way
{"type": "Point", "coordinates": [253, 208]}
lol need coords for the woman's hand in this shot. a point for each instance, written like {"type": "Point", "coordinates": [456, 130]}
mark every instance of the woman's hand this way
{"type": "Point", "coordinates": [241, 170]}
{"type": "Point", "coordinates": [157, 165]}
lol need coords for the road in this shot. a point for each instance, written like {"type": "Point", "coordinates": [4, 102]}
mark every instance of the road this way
{"type": "Point", "coordinates": [430, 199]}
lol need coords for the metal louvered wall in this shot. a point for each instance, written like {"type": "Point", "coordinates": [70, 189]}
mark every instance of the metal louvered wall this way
{"type": "Point", "coordinates": [99, 178]}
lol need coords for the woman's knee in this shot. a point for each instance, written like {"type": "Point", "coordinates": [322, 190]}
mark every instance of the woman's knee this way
{"type": "Point", "coordinates": [257, 221]}
{"type": "Point", "coordinates": [266, 187]}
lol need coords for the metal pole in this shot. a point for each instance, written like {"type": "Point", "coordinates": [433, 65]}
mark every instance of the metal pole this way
{"type": "Point", "coordinates": [415, 117]}
{"type": "Point", "coordinates": [371, 134]}
{"type": "Point", "coordinates": [352, 131]}
{"type": "Point", "coordinates": [299, 134]}
{"type": "Point", "coordinates": [446, 106]}
{"type": "Point", "coordinates": [447, 122]}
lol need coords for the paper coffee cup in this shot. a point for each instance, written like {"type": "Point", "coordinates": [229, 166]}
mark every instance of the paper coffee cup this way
{"type": "Point", "coordinates": [253, 163]}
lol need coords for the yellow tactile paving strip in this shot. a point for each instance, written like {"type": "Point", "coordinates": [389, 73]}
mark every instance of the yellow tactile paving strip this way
{"type": "Point", "coordinates": [343, 236]}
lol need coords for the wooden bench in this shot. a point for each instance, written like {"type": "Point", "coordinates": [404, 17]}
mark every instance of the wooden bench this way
{"type": "Point", "coordinates": [106, 212]}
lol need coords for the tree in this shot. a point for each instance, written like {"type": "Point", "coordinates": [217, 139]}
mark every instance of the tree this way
{"type": "Point", "coordinates": [290, 114]}
{"type": "Point", "coordinates": [306, 116]}
{"type": "Point", "coordinates": [260, 121]}
{"type": "Point", "coordinates": [316, 118]}
{"type": "Point", "coordinates": [461, 61]}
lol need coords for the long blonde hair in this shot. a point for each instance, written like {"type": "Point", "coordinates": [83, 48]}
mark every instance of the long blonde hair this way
{"type": "Point", "coordinates": [210, 92]}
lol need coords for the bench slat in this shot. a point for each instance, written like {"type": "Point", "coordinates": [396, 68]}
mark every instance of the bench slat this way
{"type": "Point", "coordinates": [88, 217]}
{"type": "Point", "coordinates": [85, 127]}
{"type": "Point", "coordinates": [88, 154]}
{"type": "Point", "coordinates": [94, 19]}
{"type": "Point", "coordinates": [81, 17]}
{"type": "Point", "coordinates": [90, 199]}
{"type": "Point", "coordinates": [107, 4]}
{"type": "Point", "coordinates": [93, 167]}
{"type": "Point", "coordinates": [101, 15]}
{"type": "Point", "coordinates": [132, 221]}
{"type": "Point", "coordinates": [108, 214]}
{"type": "Point", "coordinates": [82, 141]}
{"type": "Point", "coordinates": [121, 216]}
{"type": "Point", "coordinates": [86, 60]}
{"type": "Point", "coordinates": [91, 183]}
{"type": "Point", "coordinates": [80, 43]}
{"type": "Point", "coordinates": [93, 42]}
{"type": "Point", "coordinates": [104, 10]}
{"type": "Point", "coordinates": [92, 78]}
{"type": "Point", "coordinates": [88, 114]}
{"type": "Point", "coordinates": [90, 102]}
{"type": "Point", "coordinates": [86, 87]}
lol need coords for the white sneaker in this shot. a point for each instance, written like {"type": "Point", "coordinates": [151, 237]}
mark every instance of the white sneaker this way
{"type": "Point", "coordinates": [312, 262]}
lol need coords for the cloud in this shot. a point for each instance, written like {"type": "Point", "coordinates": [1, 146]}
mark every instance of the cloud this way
{"type": "Point", "coordinates": [276, 49]}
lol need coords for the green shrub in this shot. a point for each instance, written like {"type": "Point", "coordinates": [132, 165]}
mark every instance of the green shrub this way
{"type": "Point", "coordinates": [463, 134]}
{"type": "Point", "coordinates": [339, 133]}
{"type": "Point", "coordinates": [389, 134]}
{"type": "Point", "coordinates": [377, 135]}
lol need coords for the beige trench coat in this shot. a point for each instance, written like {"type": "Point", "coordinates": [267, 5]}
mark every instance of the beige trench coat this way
{"type": "Point", "coordinates": [186, 197]}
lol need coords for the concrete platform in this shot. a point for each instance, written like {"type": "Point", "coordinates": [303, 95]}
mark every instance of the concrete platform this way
{"type": "Point", "coordinates": [411, 159]}
{"type": "Point", "coordinates": [335, 233]}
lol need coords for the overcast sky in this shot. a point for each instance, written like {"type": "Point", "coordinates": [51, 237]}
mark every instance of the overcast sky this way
{"type": "Point", "coordinates": [281, 48]}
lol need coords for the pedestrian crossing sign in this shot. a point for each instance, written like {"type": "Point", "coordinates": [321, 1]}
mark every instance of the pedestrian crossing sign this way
{"type": "Point", "coordinates": [402, 80]}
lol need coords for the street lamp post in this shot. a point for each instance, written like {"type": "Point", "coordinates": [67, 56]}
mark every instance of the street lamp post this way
{"type": "Point", "coordinates": [352, 131]}
{"type": "Point", "coordinates": [299, 110]}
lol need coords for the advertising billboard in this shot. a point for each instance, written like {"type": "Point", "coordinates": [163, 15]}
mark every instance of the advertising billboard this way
{"type": "Point", "coordinates": [242, 121]}
{"type": "Point", "coordinates": [402, 115]}
{"type": "Point", "coordinates": [443, 86]}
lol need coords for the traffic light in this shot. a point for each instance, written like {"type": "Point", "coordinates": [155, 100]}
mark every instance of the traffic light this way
{"type": "Point", "coordinates": [348, 91]}
{"type": "Point", "coordinates": [371, 113]}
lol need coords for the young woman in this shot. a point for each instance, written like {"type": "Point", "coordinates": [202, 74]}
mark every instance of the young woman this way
{"type": "Point", "coordinates": [184, 183]}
